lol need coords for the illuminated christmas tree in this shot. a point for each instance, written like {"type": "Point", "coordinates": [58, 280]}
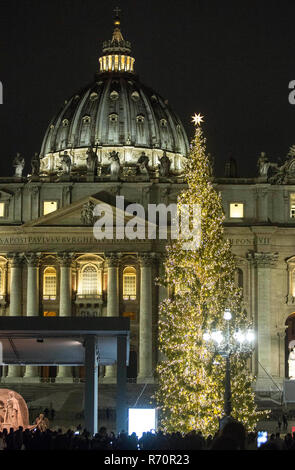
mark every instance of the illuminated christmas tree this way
{"type": "Point", "coordinates": [201, 286]}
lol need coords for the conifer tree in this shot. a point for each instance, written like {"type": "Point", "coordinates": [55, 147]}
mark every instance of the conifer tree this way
{"type": "Point", "coordinates": [201, 286]}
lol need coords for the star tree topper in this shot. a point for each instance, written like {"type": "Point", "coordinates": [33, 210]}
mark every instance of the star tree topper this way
{"type": "Point", "coordinates": [197, 119]}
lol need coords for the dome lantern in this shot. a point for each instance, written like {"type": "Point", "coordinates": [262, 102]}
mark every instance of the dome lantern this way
{"type": "Point", "coordinates": [116, 52]}
{"type": "Point", "coordinates": [114, 112]}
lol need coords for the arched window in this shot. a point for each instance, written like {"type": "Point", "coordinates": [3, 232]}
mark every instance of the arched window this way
{"type": "Point", "coordinates": [129, 283]}
{"type": "Point", "coordinates": [90, 280]}
{"type": "Point", "coordinates": [49, 283]}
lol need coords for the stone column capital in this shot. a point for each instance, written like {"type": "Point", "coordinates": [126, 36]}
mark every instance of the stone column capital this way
{"type": "Point", "coordinates": [34, 190]}
{"type": "Point", "coordinates": [263, 260]}
{"type": "Point", "coordinates": [146, 259]}
{"type": "Point", "coordinates": [65, 259]}
{"type": "Point", "coordinates": [112, 260]}
{"type": "Point", "coordinates": [281, 332]}
{"type": "Point", "coordinates": [15, 259]}
{"type": "Point", "coordinates": [33, 259]}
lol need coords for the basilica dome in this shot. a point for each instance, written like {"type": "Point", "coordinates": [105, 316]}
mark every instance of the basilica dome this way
{"type": "Point", "coordinates": [115, 112]}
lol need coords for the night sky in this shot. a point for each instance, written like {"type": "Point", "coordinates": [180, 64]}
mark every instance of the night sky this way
{"type": "Point", "coordinates": [231, 61]}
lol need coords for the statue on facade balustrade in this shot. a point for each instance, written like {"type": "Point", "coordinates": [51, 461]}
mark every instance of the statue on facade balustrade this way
{"type": "Point", "coordinates": [142, 164]}
{"type": "Point", "coordinates": [115, 165]}
{"type": "Point", "coordinates": [165, 163]}
{"type": "Point", "coordinates": [35, 164]}
{"type": "Point", "coordinates": [19, 164]}
{"type": "Point", "coordinates": [263, 165]}
{"type": "Point", "coordinates": [91, 161]}
{"type": "Point", "coordinates": [66, 163]}
{"type": "Point", "coordinates": [280, 172]}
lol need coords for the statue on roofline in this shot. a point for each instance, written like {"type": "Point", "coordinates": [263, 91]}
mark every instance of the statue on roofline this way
{"type": "Point", "coordinates": [91, 161]}
{"type": "Point", "coordinates": [165, 163]}
{"type": "Point", "coordinates": [142, 164]}
{"type": "Point", "coordinates": [115, 165]}
{"type": "Point", "coordinates": [19, 164]}
{"type": "Point", "coordinates": [66, 163]}
{"type": "Point", "coordinates": [35, 164]}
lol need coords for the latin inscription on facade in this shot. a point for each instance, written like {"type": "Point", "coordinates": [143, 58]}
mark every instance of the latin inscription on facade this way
{"type": "Point", "coordinates": [249, 241]}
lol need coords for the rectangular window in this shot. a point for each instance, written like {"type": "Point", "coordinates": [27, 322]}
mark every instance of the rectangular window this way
{"type": "Point", "coordinates": [2, 209]}
{"type": "Point", "coordinates": [49, 206]}
{"type": "Point", "coordinates": [292, 205]}
{"type": "Point", "coordinates": [236, 210]}
{"type": "Point", "coordinates": [129, 287]}
{"type": "Point", "coordinates": [49, 284]}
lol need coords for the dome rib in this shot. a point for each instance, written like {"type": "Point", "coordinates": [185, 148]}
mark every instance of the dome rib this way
{"type": "Point", "coordinates": [133, 100]}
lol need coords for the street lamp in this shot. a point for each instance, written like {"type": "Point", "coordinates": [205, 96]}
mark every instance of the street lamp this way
{"type": "Point", "coordinates": [225, 344]}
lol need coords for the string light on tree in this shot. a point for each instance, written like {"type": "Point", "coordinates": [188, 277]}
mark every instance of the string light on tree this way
{"type": "Point", "coordinates": [201, 287]}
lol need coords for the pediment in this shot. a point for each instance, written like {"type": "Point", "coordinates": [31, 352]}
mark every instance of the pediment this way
{"type": "Point", "coordinates": [71, 215]}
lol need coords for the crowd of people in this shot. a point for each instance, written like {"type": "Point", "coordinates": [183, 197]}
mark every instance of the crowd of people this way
{"type": "Point", "coordinates": [232, 437]}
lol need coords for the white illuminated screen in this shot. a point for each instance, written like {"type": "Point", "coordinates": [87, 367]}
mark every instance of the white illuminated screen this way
{"type": "Point", "coordinates": [141, 420]}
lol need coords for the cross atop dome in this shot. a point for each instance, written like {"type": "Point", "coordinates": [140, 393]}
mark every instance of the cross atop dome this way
{"type": "Point", "coordinates": [117, 10]}
{"type": "Point", "coordinates": [116, 52]}
{"type": "Point", "coordinates": [117, 35]}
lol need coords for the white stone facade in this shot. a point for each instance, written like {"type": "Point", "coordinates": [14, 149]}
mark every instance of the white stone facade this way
{"type": "Point", "coordinates": [263, 241]}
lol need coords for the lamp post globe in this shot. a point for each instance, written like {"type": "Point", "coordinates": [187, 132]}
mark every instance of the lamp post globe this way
{"type": "Point", "coordinates": [226, 344]}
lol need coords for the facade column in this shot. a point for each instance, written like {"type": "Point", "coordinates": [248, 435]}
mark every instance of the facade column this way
{"type": "Point", "coordinates": [15, 307]}
{"type": "Point", "coordinates": [163, 294]}
{"type": "Point", "coordinates": [65, 305]}
{"type": "Point", "coordinates": [145, 373]}
{"type": "Point", "coordinates": [65, 291]}
{"type": "Point", "coordinates": [33, 285]}
{"type": "Point", "coordinates": [262, 264]}
{"type": "Point", "coordinates": [262, 200]}
{"type": "Point", "coordinates": [281, 335]}
{"type": "Point", "coordinates": [91, 384]}
{"type": "Point", "coordinates": [112, 302]}
{"type": "Point", "coordinates": [32, 372]}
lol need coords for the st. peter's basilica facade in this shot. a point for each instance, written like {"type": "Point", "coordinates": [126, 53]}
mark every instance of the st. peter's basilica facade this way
{"type": "Point", "coordinates": [117, 137]}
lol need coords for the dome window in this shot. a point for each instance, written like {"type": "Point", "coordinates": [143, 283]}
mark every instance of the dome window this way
{"type": "Point", "coordinates": [93, 96]}
{"type": "Point", "coordinates": [77, 97]}
{"type": "Point", "coordinates": [154, 98]}
{"type": "Point", "coordinates": [113, 117]}
{"type": "Point", "coordinates": [65, 122]}
{"type": "Point", "coordinates": [140, 118]}
{"type": "Point", "coordinates": [86, 119]}
{"type": "Point", "coordinates": [114, 95]}
{"type": "Point", "coordinates": [51, 127]}
{"type": "Point", "coordinates": [135, 96]}
{"type": "Point", "coordinates": [163, 122]}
